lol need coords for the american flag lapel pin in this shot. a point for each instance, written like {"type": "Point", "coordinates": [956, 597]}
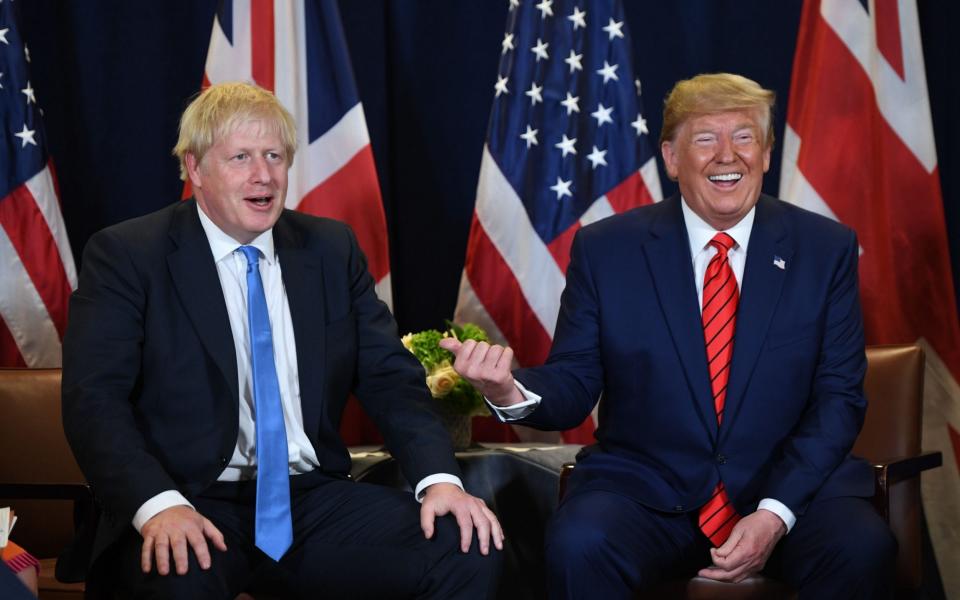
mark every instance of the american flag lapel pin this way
{"type": "Point", "coordinates": [779, 263]}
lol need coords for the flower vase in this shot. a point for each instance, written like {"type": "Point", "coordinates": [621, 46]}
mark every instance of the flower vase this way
{"type": "Point", "coordinates": [459, 426]}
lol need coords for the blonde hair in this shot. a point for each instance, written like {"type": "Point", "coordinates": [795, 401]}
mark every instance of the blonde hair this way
{"type": "Point", "coordinates": [713, 93]}
{"type": "Point", "coordinates": [220, 109]}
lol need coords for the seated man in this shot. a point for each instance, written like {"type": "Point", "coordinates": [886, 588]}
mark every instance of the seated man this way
{"type": "Point", "coordinates": [210, 351]}
{"type": "Point", "coordinates": [723, 328]}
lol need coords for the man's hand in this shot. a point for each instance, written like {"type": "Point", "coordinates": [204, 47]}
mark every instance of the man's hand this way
{"type": "Point", "coordinates": [747, 549]}
{"type": "Point", "coordinates": [470, 512]}
{"type": "Point", "coordinates": [169, 531]}
{"type": "Point", "coordinates": [487, 368]}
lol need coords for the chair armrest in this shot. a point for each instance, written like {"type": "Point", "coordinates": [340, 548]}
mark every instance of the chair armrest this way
{"type": "Point", "coordinates": [899, 469]}
{"type": "Point", "coordinates": [566, 470]}
{"type": "Point", "coordinates": [894, 470]}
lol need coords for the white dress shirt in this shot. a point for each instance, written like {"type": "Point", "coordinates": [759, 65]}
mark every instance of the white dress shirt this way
{"type": "Point", "coordinates": [232, 270]}
{"type": "Point", "coordinates": [699, 234]}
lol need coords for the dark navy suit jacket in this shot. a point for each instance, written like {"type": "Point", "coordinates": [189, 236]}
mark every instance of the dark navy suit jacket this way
{"type": "Point", "coordinates": [150, 386]}
{"type": "Point", "coordinates": [629, 328]}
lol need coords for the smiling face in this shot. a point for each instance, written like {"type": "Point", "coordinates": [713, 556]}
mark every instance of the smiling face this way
{"type": "Point", "coordinates": [719, 161]}
{"type": "Point", "coordinates": [241, 181]}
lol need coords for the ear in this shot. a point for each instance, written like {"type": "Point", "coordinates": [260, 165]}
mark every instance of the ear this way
{"type": "Point", "coordinates": [193, 170]}
{"type": "Point", "coordinates": [670, 159]}
{"type": "Point", "coordinates": [766, 159]}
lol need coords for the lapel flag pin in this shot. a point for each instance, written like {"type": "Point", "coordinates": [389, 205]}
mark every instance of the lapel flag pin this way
{"type": "Point", "coordinates": [779, 263]}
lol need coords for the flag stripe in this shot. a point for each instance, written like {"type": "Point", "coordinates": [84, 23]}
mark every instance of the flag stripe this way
{"type": "Point", "coordinates": [28, 234]}
{"type": "Point", "coordinates": [493, 281]}
{"type": "Point", "coordinates": [357, 180]}
{"type": "Point", "coordinates": [262, 40]}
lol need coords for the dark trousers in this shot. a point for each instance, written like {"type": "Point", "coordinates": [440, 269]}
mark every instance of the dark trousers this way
{"type": "Point", "coordinates": [604, 545]}
{"type": "Point", "coordinates": [350, 540]}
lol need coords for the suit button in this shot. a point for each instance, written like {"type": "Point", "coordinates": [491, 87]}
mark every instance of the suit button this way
{"type": "Point", "coordinates": [721, 459]}
{"type": "Point", "coordinates": [678, 508]}
{"type": "Point", "coordinates": [223, 460]}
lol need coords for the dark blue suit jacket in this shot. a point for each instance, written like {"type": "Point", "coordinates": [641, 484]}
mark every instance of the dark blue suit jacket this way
{"type": "Point", "coordinates": [629, 328]}
{"type": "Point", "coordinates": [150, 387]}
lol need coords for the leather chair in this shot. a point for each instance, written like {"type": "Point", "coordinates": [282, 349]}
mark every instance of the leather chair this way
{"type": "Point", "coordinates": [39, 477]}
{"type": "Point", "coordinates": [890, 440]}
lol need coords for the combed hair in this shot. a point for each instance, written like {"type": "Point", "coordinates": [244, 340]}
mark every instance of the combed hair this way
{"type": "Point", "coordinates": [220, 109]}
{"type": "Point", "coordinates": [713, 93]}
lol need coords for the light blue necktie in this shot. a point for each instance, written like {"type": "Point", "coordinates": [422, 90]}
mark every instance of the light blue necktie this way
{"type": "Point", "coordinates": [274, 529]}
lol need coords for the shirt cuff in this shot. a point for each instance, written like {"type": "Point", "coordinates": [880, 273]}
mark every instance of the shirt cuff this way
{"type": "Point", "coordinates": [429, 480]}
{"type": "Point", "coordinates": [780, 509]}
{"type": "Point", "coordinates": [519, 410]}
{"type": "Point", "coordinates": [155, 505]}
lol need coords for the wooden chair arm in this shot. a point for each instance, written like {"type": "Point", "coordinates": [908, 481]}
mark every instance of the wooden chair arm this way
{"type": "Point", "coordinates": [894, 470]}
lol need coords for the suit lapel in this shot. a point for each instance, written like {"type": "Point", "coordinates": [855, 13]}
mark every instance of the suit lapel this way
{"type": "Point", "coordinates": [669, 260]}
{"type": "Point", "coordinates": [302, 273]}
{"type": "Point", "coordinates": [759, 295]}
{"type": "Point", "coordinates": [197, 283]}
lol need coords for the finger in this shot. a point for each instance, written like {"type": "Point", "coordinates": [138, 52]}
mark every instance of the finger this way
{"type": "Point", "coordinates": [465, 522]}
{"type": "Point", "coordinates": [482, 523]}
{"type": "Point", "coordinates": [199, 544]}
{"type": "Point", "coordinates": [506, 359]}
{"type": "Point", "coordinates": [716, 573]}
{"type": "Point", "coordinates": [492, 359]}
{"type": "Point", "coordinates": [146, 554]}
{"type": "Point", "coordinates": [727, 547]}
{"type": "Point", "coordinates": [181, 559]}
{"type": "Point", "coordinates": [213, 534]}
{"type": "Point", "coordinates": [451, 344]}
{"type": "Point", "coordinates": [426, 520]}
{"type": "Point", "coordinates": [479, 354]}
{"type": "Point", "coordinates": [496, 531]}
{"type": "Point", "coordinates": [161, 554]}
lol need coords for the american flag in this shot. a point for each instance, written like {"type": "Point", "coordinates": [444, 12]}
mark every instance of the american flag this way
{"type": "Point", "coordinates": [567, 145]}
{"type": "Point", "coordinates": [37, 272]}
{"type": "Point", "coordinates": [297, 49]}
{"type": "Point", "coordinates": [859, 148]}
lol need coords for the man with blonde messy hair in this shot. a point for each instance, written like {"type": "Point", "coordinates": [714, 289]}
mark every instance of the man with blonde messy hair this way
{"type": "Point", "coordinates": [210, 351]}
{"type": "Point", "coordinates": [723, 329]}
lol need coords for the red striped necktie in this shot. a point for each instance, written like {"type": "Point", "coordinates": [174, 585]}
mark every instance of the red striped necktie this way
{"type": "Point", "coordinates": [720, 297]}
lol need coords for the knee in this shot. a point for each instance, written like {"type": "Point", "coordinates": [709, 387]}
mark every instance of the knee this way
{"type": "Point", "coordinates": [867, 553]}
{"type": "Point", "coordinates": [570, 542]}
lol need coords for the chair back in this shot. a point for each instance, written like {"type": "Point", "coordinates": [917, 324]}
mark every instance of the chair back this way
{"type": "Point", "coordinates": [33, 449]}
{"type": "Point", "coordinates": [894, 391]}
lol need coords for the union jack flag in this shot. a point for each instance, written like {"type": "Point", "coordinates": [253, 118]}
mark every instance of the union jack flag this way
{"type": "Point", "coordinates": [36, 263]}
{"type": "Point", "coordinates": [297, 50]}
{"type": "Point", "coordinates": [859, 148]}
{"type": "Point", "coordinates": [567, 145]}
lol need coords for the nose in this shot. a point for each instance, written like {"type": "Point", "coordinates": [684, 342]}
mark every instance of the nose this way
{"type": "Point", "coordinates": [725, 153]}
{"type": "Point", "coordinates": [260, 171]}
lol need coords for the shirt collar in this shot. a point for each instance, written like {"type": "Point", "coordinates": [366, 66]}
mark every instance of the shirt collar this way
{"type": "Point", "coordinates": [222, 245]}
{"type": "Point", "coordinates": [699, 232]}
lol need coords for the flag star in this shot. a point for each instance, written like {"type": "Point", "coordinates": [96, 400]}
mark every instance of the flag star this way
{"type": "Point", "coordinates": [514, 4]}
{"type": "Point", "coordinates": [1, 77]}
{"type": "Point", "coordinates": [3, 35]}
{"type": "Point", "coordinates": [28, 92]}
{"type": "Point", "coordinates": [535, 93]}
{"type": "Point", "coordinates": [609, 72]}
{"type": "Point", "coordinates": [571, 103]}
{"type": "Point", "coordinates": [26, 136]}
{"type": "Point", "coordinates": [574, 61]}
{"type": "Point", "coordinates": [26, 53]}
{"type": "Point", "coordinates": [566, 145]}
{"type": "Point", "coordinates": [578, 18]}
{"type": "Point", "coordinates": [530, 136]}
{"type": "Point", "coordinates": [545, 9]}
{"type": "Point", "coordinates": [507, 43]}
{"type": "Point", "coordinates": [640, 125]}
{"type": "Point", "coordinates": [562, 188]}
{"type": "Point", "coordinates": [540, 50]}
{"type": "Point", "coordinates": [597, 157]}
{"type": "Point", "coordinates": [500, 86]}
{"type": "Point", "coordinates": [602, 114]}
{"type": "Point", "coordinates": [636, 82]}
{"type": "Point", "coordinates": [614, 28]}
